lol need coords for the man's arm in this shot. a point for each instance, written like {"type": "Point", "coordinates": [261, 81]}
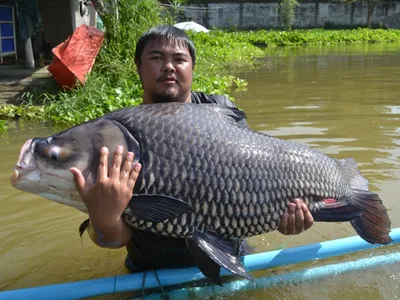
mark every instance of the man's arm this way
{"type": "Point", "coordinates": [107, 199]}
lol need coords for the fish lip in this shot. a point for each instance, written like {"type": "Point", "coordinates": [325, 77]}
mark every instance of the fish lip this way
{"type": "Point", "coordinates": [14, 178]}
{"type": "Point", "coordinates": [25, 148]}
{"type": "Point", "coordinates": [23, 167]}
{"type": "Point", "coordinates": [21, 164]}
{"type": "Point", "coordinates": [20, 171]}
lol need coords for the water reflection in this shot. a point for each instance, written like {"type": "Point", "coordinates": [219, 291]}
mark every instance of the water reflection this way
{"type": "Point", "coordinates": [395, 110]}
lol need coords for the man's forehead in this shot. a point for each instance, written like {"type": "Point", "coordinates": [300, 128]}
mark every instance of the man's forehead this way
{"type": "Point", "coordinates": [164, 45]}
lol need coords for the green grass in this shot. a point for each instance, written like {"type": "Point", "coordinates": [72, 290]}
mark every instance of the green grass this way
{"type": "Point", "coordinates": [274, 38]}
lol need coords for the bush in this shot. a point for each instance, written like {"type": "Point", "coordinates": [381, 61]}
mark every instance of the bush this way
{"type": "Point", "coordinates": [286, 12]}
{"type": "Point", "coordinates": [307, 37]}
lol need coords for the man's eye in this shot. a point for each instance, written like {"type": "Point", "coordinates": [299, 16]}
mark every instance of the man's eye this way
{"type": "Point", "coordinates": [155, 57]}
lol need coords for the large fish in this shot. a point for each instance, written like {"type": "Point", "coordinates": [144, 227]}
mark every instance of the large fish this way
{"type": "Point", "coordinates": [204, 178]}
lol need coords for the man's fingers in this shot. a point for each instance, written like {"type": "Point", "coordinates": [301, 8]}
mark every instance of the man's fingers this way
{"type": "Point", "coordinates": [133, 176]}
{"type": "Point", "coordinates": [299, 216]}
{"type": "Point", "coordinates": [116, 163]}
{"type": "Point", "coordinates": [297, 219]}
{"type": "Point", "coordinates": [78, 179]}
{"type": "Point", "coordinates": [291, 224]}
{"type": "Point", "coordinates": [126, 168]}
{"type": "Point", "coordinates": [308, 218]}
{"type": "Point", "coordinates": [103, 164]}
{"type": "Point", "coordinates": [283, 223]}
{"type": "Point", "coordinates": [287, 222]}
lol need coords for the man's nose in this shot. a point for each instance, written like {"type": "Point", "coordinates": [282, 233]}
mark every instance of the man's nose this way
{"type": "Point", "coordinates": [169, 67]}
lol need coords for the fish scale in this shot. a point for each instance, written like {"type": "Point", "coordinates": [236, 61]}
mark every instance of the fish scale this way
{"type": "Point", "coordinates": [237, 169]}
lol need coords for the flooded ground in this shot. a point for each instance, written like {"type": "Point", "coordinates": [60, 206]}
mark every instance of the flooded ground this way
{"type": "Point", "coordinates": [344, 101]}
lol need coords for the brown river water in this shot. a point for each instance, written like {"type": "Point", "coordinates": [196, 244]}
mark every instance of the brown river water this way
{"type": "Point", "coordinates": [342, 100]}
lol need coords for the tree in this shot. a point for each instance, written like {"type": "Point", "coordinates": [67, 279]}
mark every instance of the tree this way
{"type": "Point", "coordinates": [286, 12]}
{"type": "Point", "coordinates": [370, 8]}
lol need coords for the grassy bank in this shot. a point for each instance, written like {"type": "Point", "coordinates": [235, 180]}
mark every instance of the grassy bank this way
{"type": "Point", "coordinates": [272, 38]}
{"type": "Point", "coordinates": [114, 83]}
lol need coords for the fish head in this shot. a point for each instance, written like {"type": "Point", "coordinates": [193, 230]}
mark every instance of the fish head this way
{"type": "Point", "coordinates": [44, 164]}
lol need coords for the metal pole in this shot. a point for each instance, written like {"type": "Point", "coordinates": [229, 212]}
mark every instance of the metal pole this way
{"type": "Point", "coordinates": [30, 61]}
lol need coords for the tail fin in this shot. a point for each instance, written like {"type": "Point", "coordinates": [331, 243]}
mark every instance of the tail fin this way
{"type": "Point", "coordinates": [374, 223]}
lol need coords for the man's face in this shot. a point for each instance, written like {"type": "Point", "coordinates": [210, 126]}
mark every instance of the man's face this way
{"type": "Point", "coordinates": [166, 71]}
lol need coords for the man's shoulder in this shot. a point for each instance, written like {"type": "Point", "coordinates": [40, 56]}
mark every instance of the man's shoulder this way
{"type": "Point", "coordinates": [199, 98]}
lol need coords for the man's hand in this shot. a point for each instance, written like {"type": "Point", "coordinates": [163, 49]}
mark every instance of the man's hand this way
{"type": "Point", "coordinates": [107, 199]}
{"type": "Point", "coordinates": [297, 219]}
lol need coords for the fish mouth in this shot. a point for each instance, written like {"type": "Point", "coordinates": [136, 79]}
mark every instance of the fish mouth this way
{"type": "Point", "coordinates": [27, 159]}
{"type": "Point", "coordinates": [14, 177]}
{"type": "Point", "coordinates": [26, 163]}
{"type": "Point", "coordinates": [20, 175]}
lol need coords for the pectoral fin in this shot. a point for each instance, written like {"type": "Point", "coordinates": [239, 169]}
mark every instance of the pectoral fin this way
{"type": "Point", "coordinates": [157, 208]}
{"type": "Point", "coordinates": [210, 251]}
{"type": "Point", "coordinates": [202, 259]}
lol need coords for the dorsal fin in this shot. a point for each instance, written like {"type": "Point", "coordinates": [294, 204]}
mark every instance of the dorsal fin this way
{"type": "Point", "coordinates": [232, 112]}
{"type": "Point", "coordinates": [353, 175]}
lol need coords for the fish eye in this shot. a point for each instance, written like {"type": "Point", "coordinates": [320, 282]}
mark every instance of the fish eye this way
{"type": "Point", "coordinates": [53, 156]}
{"type": "Point", "coordinates": [54, 153]}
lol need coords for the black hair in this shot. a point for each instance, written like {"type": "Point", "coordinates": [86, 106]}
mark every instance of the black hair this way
{"type": "Point", "coordinates": [169, 33]}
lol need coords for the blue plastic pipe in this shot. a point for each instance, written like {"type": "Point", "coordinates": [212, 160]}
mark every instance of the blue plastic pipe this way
{"type": "Point", "coordinates": [132, 282]}
{"type": "Point", "coordinates": [288, 278]}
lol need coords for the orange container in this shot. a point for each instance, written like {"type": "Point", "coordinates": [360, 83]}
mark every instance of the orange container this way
{"type": "Point", "coordinates": [74, 58]}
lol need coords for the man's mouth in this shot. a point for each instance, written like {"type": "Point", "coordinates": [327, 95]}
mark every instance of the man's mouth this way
{"type": "Point", "coordinates": [169, 80]}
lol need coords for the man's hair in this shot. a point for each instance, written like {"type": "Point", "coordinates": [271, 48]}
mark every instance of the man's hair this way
{"type": "Point", "coordinates": [168, 33]}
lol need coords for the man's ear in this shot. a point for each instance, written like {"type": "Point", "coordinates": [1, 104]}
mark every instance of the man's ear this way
{"type": "Point", "coordinates": [137, 63]}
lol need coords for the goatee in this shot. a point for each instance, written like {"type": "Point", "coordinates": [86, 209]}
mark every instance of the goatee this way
{"type": "Point", "coordinates": [164, 97]}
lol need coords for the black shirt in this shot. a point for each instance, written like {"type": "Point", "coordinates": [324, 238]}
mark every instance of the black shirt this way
{"type": "Point", "coordinates": [201, 98]}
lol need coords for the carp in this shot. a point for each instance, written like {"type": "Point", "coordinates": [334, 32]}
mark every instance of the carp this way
{"type": "Point", "coordinates": [204, 178]}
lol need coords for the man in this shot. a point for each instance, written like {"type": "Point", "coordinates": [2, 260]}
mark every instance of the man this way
{"type": "Point", "coordinates": [165, 58]}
